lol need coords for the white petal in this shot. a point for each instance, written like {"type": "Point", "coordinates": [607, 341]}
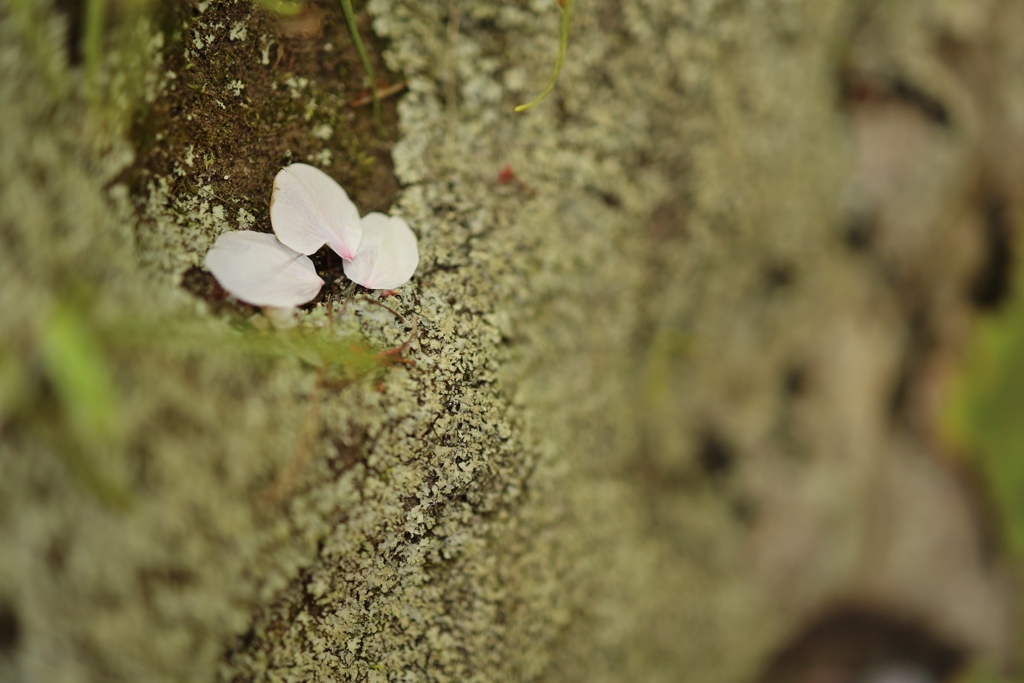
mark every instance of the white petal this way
{"type": "Point", "coordinates": [259, 270]}
{"type": "Point", "coordinates": [388, 255]}
{"type": "Point", "coordinates": [308, 209]}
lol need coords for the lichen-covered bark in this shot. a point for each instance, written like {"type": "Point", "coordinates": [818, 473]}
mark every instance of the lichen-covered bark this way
{"type": "Point", "coordinates": [672, 388]}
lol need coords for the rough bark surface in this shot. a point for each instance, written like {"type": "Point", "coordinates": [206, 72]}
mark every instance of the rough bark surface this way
{"type": "Point", "coordinates": [672, 392]}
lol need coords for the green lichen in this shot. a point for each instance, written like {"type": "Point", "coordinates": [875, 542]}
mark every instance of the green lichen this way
{"type": "Point", "coordinates": [983, 415]}
{"type": "Point", "coordinates": [983, 420]}
{"type": "Point", "coordinates": [526, 499]}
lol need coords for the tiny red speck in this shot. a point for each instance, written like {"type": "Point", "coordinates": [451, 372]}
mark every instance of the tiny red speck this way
{"type": "Point", "coordinates": [507, 175]}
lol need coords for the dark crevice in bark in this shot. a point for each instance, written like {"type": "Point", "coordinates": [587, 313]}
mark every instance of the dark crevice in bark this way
{"type": "Point", "coordinates": [992, 286]}
{"type": "Point", "coordinates": [10, 628]}
{"type": "Point", "coordinates": [716, 457]}
{"type": "Point", "coordinates": [74, 12]}
{"type": "Point", "coordinates": [794, 382]}
{"type": "Point", "coordinates": [779, 277]}
{"type": "Point", "coordinates": [859, 231]}
{"type": "Point", "coordinates": [930, 106]}
{"type": "Point", "coordinates": [857, 88]}
{"type": "Point", "coordinates": [858, 643]}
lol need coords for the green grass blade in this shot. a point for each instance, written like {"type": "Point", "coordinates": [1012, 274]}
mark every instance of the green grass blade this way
{"type": "Point", "coordinates": [92, 49]}
{"type": "Point", "coordinates": [77, 367]}
{"type": "Point", "coordinates": [563, 46]}
{"type": "Point", "coordinates": [364, 57]}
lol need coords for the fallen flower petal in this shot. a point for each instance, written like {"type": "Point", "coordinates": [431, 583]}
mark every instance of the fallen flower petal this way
{"type": "Point", "coordinates": [257, 269]}
{"type": "Point", "coordinates": [309, 209]}
{"type": "Point", "coordinates": [388, 255]}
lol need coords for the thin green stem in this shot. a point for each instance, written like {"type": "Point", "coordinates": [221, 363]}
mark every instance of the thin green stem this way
{"type": "Point", "coordinates": [364, 57]}
{"type": "Point", "coordinates": [284, 8]}
{"type": "Point", "coordinates": [563, 46]}
{"type": "Point", "coordinates": [92, 48]}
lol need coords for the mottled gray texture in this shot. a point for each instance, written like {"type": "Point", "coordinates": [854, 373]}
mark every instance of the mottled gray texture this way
{"type": "Point", "coordinates": [648, 429]}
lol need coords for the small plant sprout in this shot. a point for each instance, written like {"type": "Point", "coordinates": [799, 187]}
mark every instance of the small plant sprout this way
{"type": "Point", "coordinates": [309, 209]}
{"type": "Point", "coordinates": [257, 269]}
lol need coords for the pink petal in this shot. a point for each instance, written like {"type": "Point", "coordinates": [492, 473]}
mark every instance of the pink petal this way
{"type": "Point", "coordinates": [256, 268]}
{"type": "Point", "coordinates": [309, 209]}
{"type": "Point", "coordinates": [388, 255]}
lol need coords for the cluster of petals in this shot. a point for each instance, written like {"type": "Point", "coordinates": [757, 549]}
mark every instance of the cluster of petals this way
{"type": "Point", "coordinates": [308, 210]}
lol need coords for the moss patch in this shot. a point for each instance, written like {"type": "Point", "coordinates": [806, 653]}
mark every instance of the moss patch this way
{"type": "Point", "coordinates": [246, 93]}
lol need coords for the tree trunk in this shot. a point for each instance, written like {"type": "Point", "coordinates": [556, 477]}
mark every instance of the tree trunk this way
{"type": "Point", "coordinates": [673, 358]}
